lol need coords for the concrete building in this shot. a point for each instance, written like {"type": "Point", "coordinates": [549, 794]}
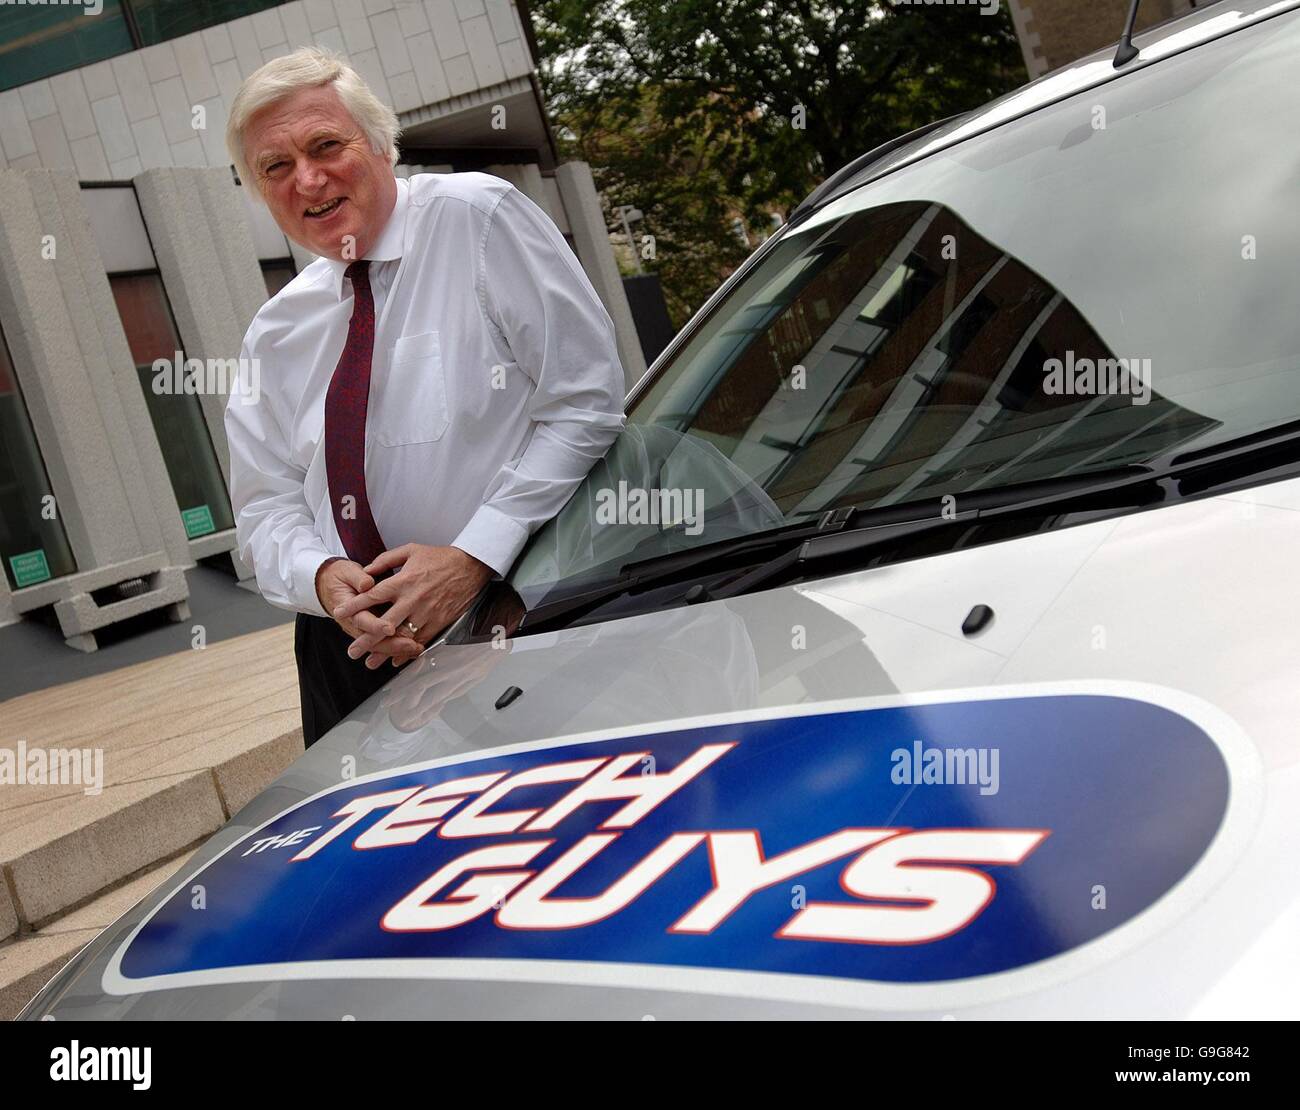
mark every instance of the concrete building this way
{"type": "Point", "coordinates": [124, 239]}
{"type": "Point", "coordinates": [1054, 33]}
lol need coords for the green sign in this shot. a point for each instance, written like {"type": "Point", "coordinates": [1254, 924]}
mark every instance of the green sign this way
{"type": "Point", "coordinates": [198, 522]}
{"type": "Point", "coordinates": [29, 568]}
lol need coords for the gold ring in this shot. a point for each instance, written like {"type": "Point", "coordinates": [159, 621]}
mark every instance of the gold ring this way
{"type": "Point", "coordinates": [412, 629]}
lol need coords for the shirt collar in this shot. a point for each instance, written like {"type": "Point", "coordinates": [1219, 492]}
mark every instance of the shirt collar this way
{"type": "Point", "coordinates": [388, 246]}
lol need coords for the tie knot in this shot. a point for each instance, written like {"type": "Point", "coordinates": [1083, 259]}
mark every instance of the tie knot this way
{"type": "Point", "coordinates": [358, 271]}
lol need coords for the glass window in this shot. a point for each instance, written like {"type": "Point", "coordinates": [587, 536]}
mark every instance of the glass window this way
{"type": "Point", "coordinates": [33, 544]}
{"type": "Point", "coordinates": [177, 414]}
{"type": "Point", "coordinates": [277, 273]}
{"type": "Point", "coordinates": [159, 20]}
{"type": "Point", "coordinates": [1049, 300]}
{"type": "Point", "coordinates": [38, 40]}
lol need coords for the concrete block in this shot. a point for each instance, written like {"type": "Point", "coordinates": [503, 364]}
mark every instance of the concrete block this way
{"type": "Point", "coordinates": [15, 130]}
{"type": "Point", "coordinates": [515, 59]}
{"type": "Point", "coordinates": [114, 128]}
{"type": "Point", "coordinates": [89, 157]}
{"type": "Point", "coordinates": [159, 62]}
{"type": "Point", "coordinates": [483, 51]}
{"type": "Point", "coordinates": [8, 915]}
{"type": "Point", "coordinates": [27, 965]}
{"type": "Point", "coordinates": [151, 142]}
{"type": "Point", "coordinates": [38, 100]}
{"type": "Point", "coordinates": [126, 169]}
{"type": "Point", "coordinates": [216, 41]}
{"type": "Point", "coordinates": [133, 83]}
{"type": "Point", "coordinates": [445, 24]}
{"type": "Point", "coordinates": [406, 92]}
{"type": "Point", "coordinates": [52, 143]}
{"type": "Point", "coordinates": [410, 14]}
{"type": "Point", "coordinates": [357, 35]}
{"type": "Point", "coordinates": [429, 75]}
{"type": "Point", "coordinates": [212, 139]}
{"type": "Point", "coordinates": [246, 774]}
{"type": "Point", "coordinates": [268, 28]}
{"type": "Point", "coordinates": [247, 50]}
{"type": "Point", "coordinates": [297, 31]}
{"type": "Point", "coordinates": [174, 109]}
{"type": "Point", "coordinates": [189, 154]}
{"type": "Point", "coordinates": [109, 906]}
{"type": "Point", "coordinates": [228, 80]}
{"type": "Point", "coordinates": [367, 64]}
{"type": "Point", "coordinates": [500, 14]}
{"type": "Point", "coordinates": [321, 15]}
{"type": "Point", "coordinates": [99, 80]}
{"type": "Point", "coordinates": [461, 78]}
{"type": "Point", "coordinates": [111, 836]}
{"type": "Point", "coordinates": [391, 43]}
{"type": "Point", "coordinates": [196, 69]}
{"type": "Point", "coordinates": [33, 960]}
{"type": "Point", "coordinates": [331, 38]}
{"type": "Point", "coordinates": [74, 105]}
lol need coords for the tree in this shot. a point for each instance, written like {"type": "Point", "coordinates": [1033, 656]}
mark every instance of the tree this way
{"type": "Point", "coordinates": [702, 113]}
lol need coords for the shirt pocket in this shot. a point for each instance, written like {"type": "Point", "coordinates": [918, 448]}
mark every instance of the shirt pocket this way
{"type": "Point", "coordinates": [413, 407]}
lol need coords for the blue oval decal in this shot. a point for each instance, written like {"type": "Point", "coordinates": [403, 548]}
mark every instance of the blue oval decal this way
{"type": "Point", "coordinates": [914, 843]}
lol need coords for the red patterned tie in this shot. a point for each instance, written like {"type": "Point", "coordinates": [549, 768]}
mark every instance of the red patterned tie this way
{"type": "Point", "coordinates": [345, 426]}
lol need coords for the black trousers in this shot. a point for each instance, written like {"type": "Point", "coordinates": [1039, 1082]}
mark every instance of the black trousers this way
{"type": "Point", "coordinates": [330, 685]}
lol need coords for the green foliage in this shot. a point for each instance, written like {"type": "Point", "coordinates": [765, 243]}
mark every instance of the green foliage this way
{"type": "Point", "coordinates": [709, 114]}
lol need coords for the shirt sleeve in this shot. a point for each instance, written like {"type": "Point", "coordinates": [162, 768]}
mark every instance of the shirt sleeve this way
{"type": "Point", "coordinates": [274, 526]}
{"type": "Point", "coordinates": [534, 292]}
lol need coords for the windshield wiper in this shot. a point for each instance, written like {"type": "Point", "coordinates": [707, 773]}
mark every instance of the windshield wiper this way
{"type": "Point", "coordinates": [852, 532]}
{"type": "Point", "coordinates": [836, 533]}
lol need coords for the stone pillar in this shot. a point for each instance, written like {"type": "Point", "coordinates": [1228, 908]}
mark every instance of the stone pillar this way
{"type": "Point", "coordinates": [590, 237]}
{"type": "Point", "coordinates": [527, 178]}
{"type": "Point", "coordinates": [209, 266]}
{"type": "Point", "coordinates": [87, 412]}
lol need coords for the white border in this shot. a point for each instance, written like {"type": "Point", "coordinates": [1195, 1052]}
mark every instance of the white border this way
{"type": "Point", "coordinates": [1245, 803]}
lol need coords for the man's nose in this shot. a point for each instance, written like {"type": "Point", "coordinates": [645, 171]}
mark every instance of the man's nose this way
{"type": "Point", "coordinates": [309, 179]}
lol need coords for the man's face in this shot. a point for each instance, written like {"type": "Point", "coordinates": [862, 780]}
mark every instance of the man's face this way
{"type": "Point", "coordinates": [326, 188]}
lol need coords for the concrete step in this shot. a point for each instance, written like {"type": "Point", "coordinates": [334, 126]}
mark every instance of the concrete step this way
{"type": "Point", "coordinates": [27, 963]}
{"type": "Point", "coordinates": [183, 742]}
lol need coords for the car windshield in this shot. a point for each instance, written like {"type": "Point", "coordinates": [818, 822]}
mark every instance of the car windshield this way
{"type": "Point", "coordinates": [1103, 282]}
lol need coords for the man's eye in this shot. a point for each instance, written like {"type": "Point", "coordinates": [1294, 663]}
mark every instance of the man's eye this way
{"type": "Point", "coordinates": [273, 167]}
{"type": "Point", "coordinates": [327, 143]}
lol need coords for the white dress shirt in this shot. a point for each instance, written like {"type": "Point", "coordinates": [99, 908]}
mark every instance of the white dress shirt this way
{"type": "Point", "coordinates": [495, 386]}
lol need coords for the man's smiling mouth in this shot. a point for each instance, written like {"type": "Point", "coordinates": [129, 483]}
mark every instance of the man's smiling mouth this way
{"type": "Point", "coordinates": [324, 209]}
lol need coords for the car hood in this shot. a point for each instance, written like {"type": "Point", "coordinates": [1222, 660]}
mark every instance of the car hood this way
{"type": "Point", "coordinates": [1136, 682]}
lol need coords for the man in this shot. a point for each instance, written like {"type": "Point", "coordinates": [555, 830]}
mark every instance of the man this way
{"type": "Point", "coordinates": [431, 389]}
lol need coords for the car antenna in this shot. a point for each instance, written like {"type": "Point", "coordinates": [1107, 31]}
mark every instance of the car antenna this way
{"type": "Point", "coordinates": [1127, 51]}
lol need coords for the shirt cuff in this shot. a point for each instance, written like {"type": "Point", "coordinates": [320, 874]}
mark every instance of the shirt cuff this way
{"type": "Point", "coordinates": [305, 565]}
{"type": "Point", "coordinates": [492, 538]}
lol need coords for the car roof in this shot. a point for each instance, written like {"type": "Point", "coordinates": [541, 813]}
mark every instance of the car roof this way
{"type": "Point", "coordinates": [1171, 37]}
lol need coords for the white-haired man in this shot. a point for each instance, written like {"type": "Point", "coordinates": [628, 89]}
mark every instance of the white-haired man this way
{"type": "Point", "coordinates": [432, 388]}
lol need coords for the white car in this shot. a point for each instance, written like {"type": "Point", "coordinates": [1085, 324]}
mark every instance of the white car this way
{"type": "Point", "coordinates": [927, 646]}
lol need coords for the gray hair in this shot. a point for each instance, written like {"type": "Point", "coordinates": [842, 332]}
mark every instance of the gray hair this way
{"type": "Point", "coordinates": [309, 67]}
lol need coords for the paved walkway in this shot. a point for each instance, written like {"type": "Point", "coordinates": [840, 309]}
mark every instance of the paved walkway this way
{"type": "Point", "coordinates": [185, 741]}
{"type": "Point", "coordinates": [35, 655]}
